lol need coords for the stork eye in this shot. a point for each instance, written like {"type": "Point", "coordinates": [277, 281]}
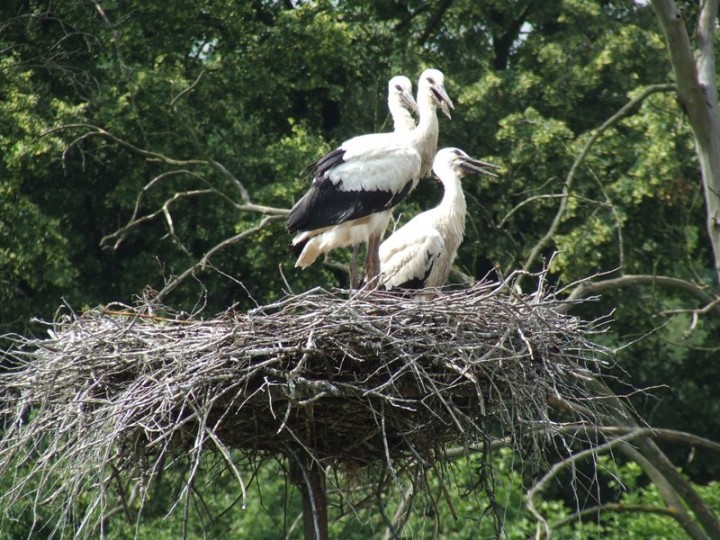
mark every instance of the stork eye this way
{"type": "Point", "coordinates": [431, 80]}
{"type": "Point", "coordinates": [398, 88]}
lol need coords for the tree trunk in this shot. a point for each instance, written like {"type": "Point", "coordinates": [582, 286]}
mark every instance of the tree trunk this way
{"type": "Point", "coordinates": [697, 91]}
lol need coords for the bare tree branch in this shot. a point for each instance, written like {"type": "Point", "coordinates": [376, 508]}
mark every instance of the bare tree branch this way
{"type": "Point", "coordinates": [164, 210]}
{"type": "Point", "coordinates": [540, 485]}
{"type": "Point", "coordinates": [96, 131]}
{"type": "Point", "coordinates": [666, 489]}
{"type": "Point", "coordinates": [534, 198]}
{"type": "Point", "coordinates": [402, 512]}
{"type": "Point", "coordinates": [707, 518]}
{"type": "Point", "coordinates": [672, 486]}
{"type": "Point", "coordinates": [121, 234]}
{"type": "Point", "coordinates": [589, 287]}
{"type": "Point", "coordinates": [203, 262]}
{"type": "Point", "coordinates": [594, 511]}
{"type": "Point", "coordinates": [659, 468]}
{"type": "Point", "coordinates": [244, 194]}
{"type": "Point", "coordinates": [668, 435]}
{"type": "Point", "coordinates": [629, 107]}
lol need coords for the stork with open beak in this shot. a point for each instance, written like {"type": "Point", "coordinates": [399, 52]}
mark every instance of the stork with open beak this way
{"type": "Point", "coordinates": [421, 253]}
{"type": "Point", "coordinates": [356, 186]}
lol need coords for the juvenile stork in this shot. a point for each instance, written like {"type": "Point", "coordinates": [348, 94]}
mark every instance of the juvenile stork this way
{"type": "Point", "coordinates": [401, 104]}
{"type": "Point", "coordinates": [356, 186]}
{"type": "Point", "coordinates": [420, 254]}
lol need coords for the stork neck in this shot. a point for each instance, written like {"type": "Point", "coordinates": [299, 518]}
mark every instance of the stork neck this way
{"type": "Point", "coordinates": [428, 121]}
{"type": "Point", "coordinates": [425, 135]}
{"type": "Point", "coordinates": [453, 198]}
{"type": "Point", "coordinates": [452, 211]}
{"type": "Point", "coordinates": [402, 119]}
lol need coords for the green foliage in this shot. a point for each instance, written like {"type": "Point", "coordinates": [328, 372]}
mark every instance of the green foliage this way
{"type": "Point", "coordinates": [273, 507]}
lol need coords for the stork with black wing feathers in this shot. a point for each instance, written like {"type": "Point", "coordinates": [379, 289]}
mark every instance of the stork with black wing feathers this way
{"type": "Point", "coordinates": [356, 186]}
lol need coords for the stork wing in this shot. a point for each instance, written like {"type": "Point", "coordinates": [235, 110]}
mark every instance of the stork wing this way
{"type": "Point", "coordinates": [408, 256]}
{"type": "Point", "coordinates": [367, 174]}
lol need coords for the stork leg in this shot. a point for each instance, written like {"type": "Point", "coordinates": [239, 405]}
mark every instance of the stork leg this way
{"type": "Point", "coordinates": [376, 258]}
{"type": "Point", "coordinates": [353, 270]}
{"type": "Point", "coordinates": [372, 261]}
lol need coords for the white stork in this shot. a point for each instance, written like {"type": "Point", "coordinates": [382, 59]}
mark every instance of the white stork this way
{"type": "Point", "coordinates": [420, 254]}
{"type": "Point", "coordinates": [356, 186]}
{"type": "Point", "coordinates": [431, 94]}
{"type": "Point", "coordinates": [401, 103]}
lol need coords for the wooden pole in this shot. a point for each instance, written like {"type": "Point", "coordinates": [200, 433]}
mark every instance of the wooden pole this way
{"type": "Point", "coordinates": [309, 477]}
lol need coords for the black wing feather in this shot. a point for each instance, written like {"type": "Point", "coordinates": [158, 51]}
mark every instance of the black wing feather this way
{"type": "Point", "coordinates": [327, 204]}
{"type": "Point", "coordinates": [324, 164]}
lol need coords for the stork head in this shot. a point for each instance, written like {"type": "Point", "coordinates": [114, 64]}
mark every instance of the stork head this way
{"type": "Point", "coordinates": [400, 91]}
{"type": "Point", "coordinates": [456, 162]}
{"type": "Point", "coordinates": [432, 86]}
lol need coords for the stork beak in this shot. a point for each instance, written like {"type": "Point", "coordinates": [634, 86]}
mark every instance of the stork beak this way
{"type": "Point", "coordinates": [409, 102]}
{"type": "Point", "coordinates": [446, 104]}
{"type": "Point", "coordinates": [468, 165]}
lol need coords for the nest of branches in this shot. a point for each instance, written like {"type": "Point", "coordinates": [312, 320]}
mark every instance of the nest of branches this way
{"type": "Point", "coordinates": [344, 377]}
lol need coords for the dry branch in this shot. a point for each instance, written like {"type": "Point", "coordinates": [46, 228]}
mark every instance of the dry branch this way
{"type": "Point", "coordinates": [344, 377]}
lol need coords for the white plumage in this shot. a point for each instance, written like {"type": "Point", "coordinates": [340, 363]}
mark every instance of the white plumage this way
{"type": "Point", "coordinates": [420, 254]}
{"type": "Point", "coordinates": [431, 94]}
{"type": "Point", "coordinates": [401, 103]}
{"type": "Point", "coordinates": [356, 186]}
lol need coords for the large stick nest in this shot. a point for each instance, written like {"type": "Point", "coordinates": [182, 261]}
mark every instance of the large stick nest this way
{"type": "Point", "coordinates": [346, 378]}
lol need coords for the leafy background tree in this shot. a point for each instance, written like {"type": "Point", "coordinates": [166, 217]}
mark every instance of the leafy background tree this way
{"type": "Point", "coordinates": [197, 118]}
